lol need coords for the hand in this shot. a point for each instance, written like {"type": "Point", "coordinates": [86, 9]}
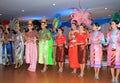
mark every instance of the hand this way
{"type": "Point", "coordinates": [97, 42]}
{"type": "Point", "coordinates": [66, 46]}
{"type": "Point", "coordinates": [105, 44]}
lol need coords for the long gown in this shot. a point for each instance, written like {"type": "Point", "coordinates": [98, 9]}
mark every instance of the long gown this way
{"type": "Point", "coordinates": [113, 56]}
{"type": "Point", "coordinates": [96, 49]}
{"type": "Point", "coordinates": [31, 50]}
{"type": "Point", "coordinates": [45, 48]}
{"type": "Point", "coordinates": [18, 48]}
{"type": "Point", "coordinates": [72, 53]}
{"type": "Point", "coordinates": [81, 47]}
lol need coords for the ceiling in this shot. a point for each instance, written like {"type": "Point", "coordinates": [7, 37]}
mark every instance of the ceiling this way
{"type": "Point", "coordinates": [35, 9]}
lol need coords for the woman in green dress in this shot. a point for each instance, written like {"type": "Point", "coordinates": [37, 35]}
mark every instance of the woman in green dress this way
{"type": "Point", "coordinates": [45, 46]}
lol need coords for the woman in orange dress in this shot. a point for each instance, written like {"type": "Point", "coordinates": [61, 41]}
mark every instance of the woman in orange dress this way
{"type": "Point", "coordinates": [72, 51]}
{"type": "Point", "coordinates": [81, 46]}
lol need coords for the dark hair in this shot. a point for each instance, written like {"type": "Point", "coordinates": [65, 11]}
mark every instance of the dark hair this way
{"type": "Point", "coordinates": [116, 21]}
{"type": "Point", "coordinates": [74, 22]}
{"type": "Point", "coordinates": [83, 24]}
{"type": "Point", "coordinates": [96, 24]}
{"type": "Point", "coordinates": [62, 28]}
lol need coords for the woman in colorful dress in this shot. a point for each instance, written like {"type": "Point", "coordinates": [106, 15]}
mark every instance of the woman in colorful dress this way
{"type": "Point", "coordinates": [72, 51]}
{"type": "Point", "coordinates": [60, 49]}
{"type": "Point", "coordinates": [18, 47]}
{"type": "Point", "coordinates": [81, 38]}
{"type": "Point", "coordinates": [31, 48]}
{"type": "Point", "coordinates": [45, 46]}
{"type": "Point", "coordinates": [7, 48]}
{"type": "Point", "coordinates": [113, 57]}
{"type": "Point", "coordinates": [1, 43]}
{"type": "Point", "coordinates": [96, 40]}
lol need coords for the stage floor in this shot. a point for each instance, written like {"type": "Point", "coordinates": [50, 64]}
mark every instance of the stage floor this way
{"type": "Point", "coordinates": [11, 75]}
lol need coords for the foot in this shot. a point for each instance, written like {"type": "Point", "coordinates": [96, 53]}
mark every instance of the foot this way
{"type": "Point", "coordinates": [60, 70]}
{"type": "Point", "coordinates": [116, 80]}
{"type": "Point", "coordinates": [15, 67]}
{"type": "Point", "coordinates": [96, 77]}
{"type": "Point", "coordinates": [44, 70]}
{"type": "Point", "coordinates": [81, 75]}
{"type": "Point", "coordinates": [113, 80]}
{"type": "Point", "coordinates": [73, 72]}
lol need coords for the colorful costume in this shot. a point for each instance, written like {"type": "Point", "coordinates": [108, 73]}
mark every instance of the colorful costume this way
{"type": "Point", "coordinates": [96, 49]}
{"type": "Point", "coordinates": [18, 48]}
{"type": "Point", "coordinates": [31, 50]}
{"type": "Point", "coordinates": [45, 47]}
{"type": "Point", "coordinates": [113, 57]}
{"type": "Point", "coordinates": [60, 41]}
{"type": "Point", "coordinates": [72, 53]}
{"type": "Point", "coordinates": [81, 46]}
{"type": "Point", "coordinates": [7, 50]}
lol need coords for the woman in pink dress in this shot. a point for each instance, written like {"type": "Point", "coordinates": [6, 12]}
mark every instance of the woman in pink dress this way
{"type": "Point", "coordinates": [96, 39]}
{"type": "Point", "coordinates": [31, 48]}
{"type": "Point", "coordinates": [113, 57]}
{"type": "Point", "coordinates": [72, 51]}
{"type": "Point", "coordinates": [82, 38]}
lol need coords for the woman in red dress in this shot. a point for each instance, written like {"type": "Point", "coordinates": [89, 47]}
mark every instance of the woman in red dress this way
{"type": "Point", "coordinates": [72, 51]}
{"type": "Point", "coordinates": [81, 38]}
{"type": "Point", "coordinates": [60, 43]}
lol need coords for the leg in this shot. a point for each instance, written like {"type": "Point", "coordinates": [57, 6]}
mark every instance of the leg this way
{"type": "Point", "coordinates": [97, 73]}
{"type": "Point", "coordinates": [82, 66]}
{"type": "Point", "coordinates": [44, 68]}
{"type": "Point", "coordinates": [61, 66]}
{"type": "Point", "coordinates": [117, 75]}
{"type": "Point", "coordinates": [112, 73]}
{"type": "Point", "coordinates": [74, 70]}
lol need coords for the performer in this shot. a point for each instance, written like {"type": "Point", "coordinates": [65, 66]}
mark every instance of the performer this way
{"type": "Point", "coordinates": [113, 57]}
{"type": "Point", "coordinates": [72, 51]}
{"type": "Point", "coordinates": [1, 43]}
{"type": "Point", "coordinates": [96, 39]}
{"type": "Point", "coordinates": [81, 46]}
{"type": "Point", "coordinates": [18, 47]}
{"type": "Point", "coordinates": [54, 33]}
{"type": "Point", "coordinates": [7, 48]}
{"type": "Point", "coordinates": [31, 48]}
{"type": "Point", "coordinates": [45, 45]}
{"type": "Point", "coordinates": [60, 42]}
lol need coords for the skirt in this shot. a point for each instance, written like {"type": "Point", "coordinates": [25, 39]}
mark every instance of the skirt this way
{"type": "Point", "coordinates": [60, 57]}
{"type": "Point", "coordinates": [82, 54]}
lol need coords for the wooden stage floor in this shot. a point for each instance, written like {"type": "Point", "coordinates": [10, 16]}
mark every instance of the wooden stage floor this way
{"type": "Point", "coordinates": [11, 75]}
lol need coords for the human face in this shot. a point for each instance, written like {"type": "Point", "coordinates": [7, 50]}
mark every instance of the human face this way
{"type": "Point", "coordinates": [81, 29]}
{"type": "Point", "coordinates": [73, 27]}
{"type": "Point", "coordinates": [113, 25]}
{"type": "Point", "coordinates": [59, 31]}
{"type": "Point", "coordinates": [95, 27]}
{"type": "Point", "coordinates": [30, 27]}
{"type": "Point", "coordinates": [17, 29]}
{"type": "Point", "coordinates": [54, 29]}
{"type": "Point", "coordinates": [43, 25]}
